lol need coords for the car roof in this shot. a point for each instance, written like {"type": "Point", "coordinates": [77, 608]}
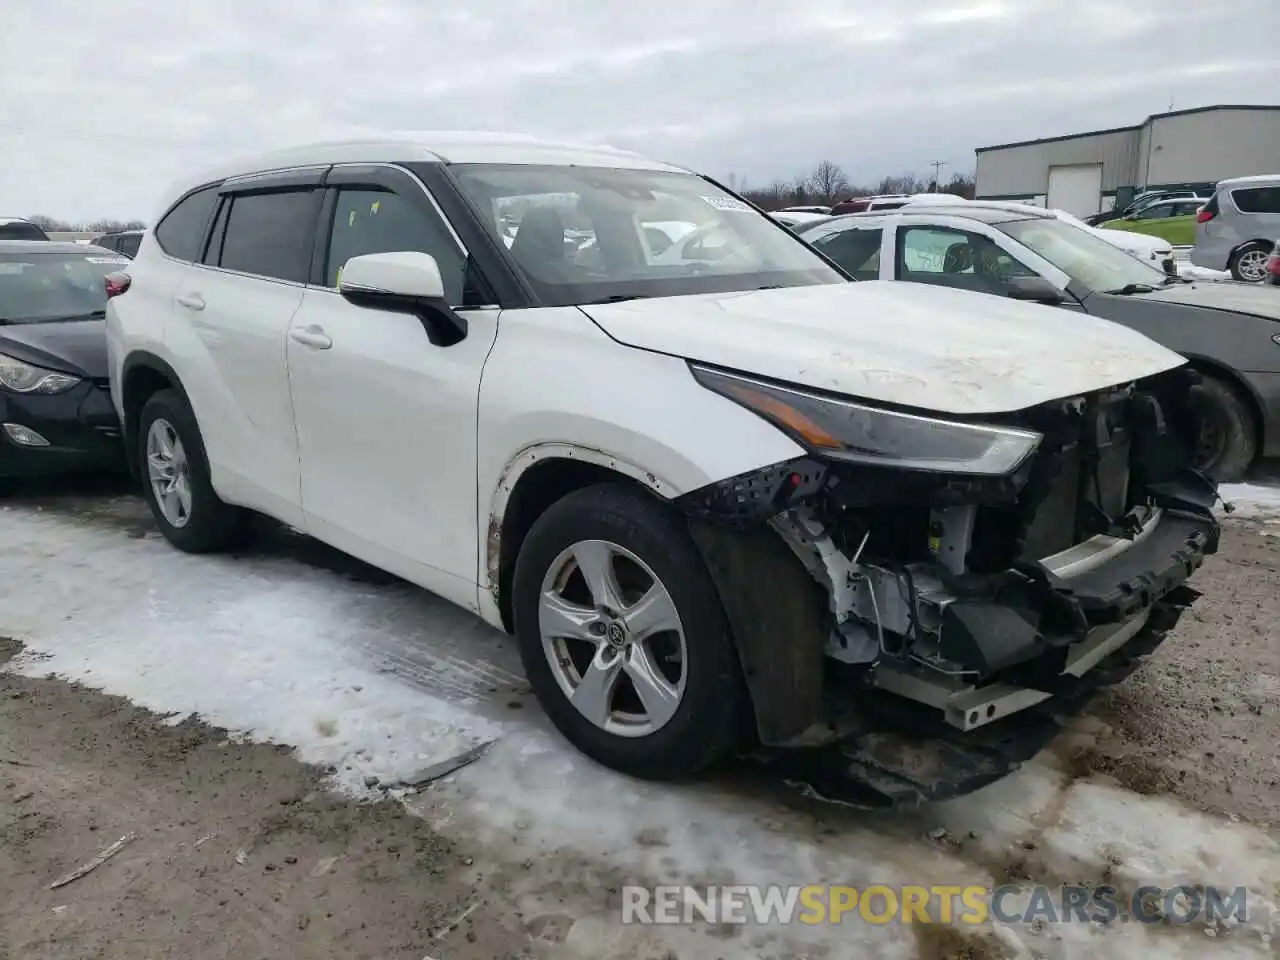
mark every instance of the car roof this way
{"type": "Point", "coordinates": [438, 147]}
{"type": "Point", "coordinates": [26, 247]}
{"type": "Point", "coordinates": [973, 210]}
{"type": "Point", "coordinates": [1256, 180]}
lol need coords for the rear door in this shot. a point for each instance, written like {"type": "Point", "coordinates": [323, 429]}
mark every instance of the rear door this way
{"type": "Point", "coordinates": [232, 313]}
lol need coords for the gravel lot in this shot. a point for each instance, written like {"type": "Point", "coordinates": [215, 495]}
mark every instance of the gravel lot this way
{"type": "Point", "coordinates": [241, 849]}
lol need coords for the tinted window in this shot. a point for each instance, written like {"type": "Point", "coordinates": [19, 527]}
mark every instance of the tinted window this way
{"type": "Point", "coordinates": [858, 251]}
{"type": "Point", "coordinates": [21, 230]}
{"type": "Point", "coordinates": [1184, 209]}
{"type": "Point", "coordinates": [42, 286]}
{"type": "Point", "coordinates": [181, 232]}
{"type": "Point", "coordinates": [367, 220]}
{"type": "Point", "coordinates": [1156, 211]}
{"type": "Point", "coordinates": [129, 244]}
{"type": "Point", "coordinates": [270, 234]}
{"type": "Point", "coordinates": [1257, 199]}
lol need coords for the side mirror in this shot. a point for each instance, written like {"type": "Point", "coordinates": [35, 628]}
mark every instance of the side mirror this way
{"type": "Point", "coordinates": [1035, 289]}
{"type": "Point", "coordinates": [403, 282]}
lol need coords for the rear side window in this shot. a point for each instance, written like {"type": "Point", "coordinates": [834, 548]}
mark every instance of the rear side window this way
{"type": "Point", "coordinates": [270, 234]}
{"type": "Point", "coordinates": [181, 232]}
{"type": "Point", "coordinates": [128, 245]}
{"type": "Point", "coordinates": [1257, 199]}
{"type": "Point", "coordinates": [1185, 209]}
{"type": "Point", "coordinates": [21, 230]}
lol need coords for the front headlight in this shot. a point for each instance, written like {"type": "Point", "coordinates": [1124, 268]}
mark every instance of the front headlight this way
{"type": "Point", "coordinates": [22, 377]}
{"type": "Point", "coordinates": [844, 430]}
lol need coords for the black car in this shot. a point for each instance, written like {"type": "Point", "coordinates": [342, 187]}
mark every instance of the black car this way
{"type": "Point", "coordinates": [55, 409]}
{"type": "Point", "coordinates": [1229, 331]}
{"type": "Point", "coordinates": [18, 228]}
{"type": "Point", "coordinates": [124, 242]}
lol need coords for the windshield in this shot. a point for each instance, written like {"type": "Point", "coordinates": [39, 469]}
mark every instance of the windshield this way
{"type": "Point", "coordinates": [41, 287]}
{"type": "Point", "coordinates": [590, 234]}
{"type": "Point", "coordinates": [1086, 259]}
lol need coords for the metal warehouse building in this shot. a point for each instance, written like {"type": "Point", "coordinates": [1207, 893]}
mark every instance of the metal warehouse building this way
{"type": "Point", "coordinates": [1085, 173]}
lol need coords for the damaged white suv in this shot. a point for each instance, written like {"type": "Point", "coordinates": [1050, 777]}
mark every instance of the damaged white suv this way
{"type": "Point", "coordinates": [727, 501]}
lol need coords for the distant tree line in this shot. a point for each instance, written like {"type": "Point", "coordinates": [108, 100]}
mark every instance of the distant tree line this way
{"type": "Point", "coordinates": [53, 225]}
{"type": "Point", "coordinates": [827, 184]}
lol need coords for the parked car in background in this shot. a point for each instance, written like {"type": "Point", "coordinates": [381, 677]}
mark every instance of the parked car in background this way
{"type": "Point", "coordinates": [337, 336]}
{"type": "Point", "coordinates": [1237, 226]}
{"type": "Point", "coordinates": [886, 201]}
{"type": "Point", "coordinates": [20, 228]}
{"type": "Point", "coordinates": [1173, 221]}
{"type": "Point", "coordinates": [124, 242]}
{"type": "Point", "coordinates": [812, 209]}
{"type": "Point", "coordinates": [55, 409]}
{"type": "Point", "coordinates": [1145, 199]}
{"type": "Point", "coordinates": [1226, 329]}
{"type": "Point", "coordinates": [793, 218]}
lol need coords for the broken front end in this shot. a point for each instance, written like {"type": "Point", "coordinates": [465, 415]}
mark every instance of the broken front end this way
{"type": "Point", "coordinates": [921, 602]}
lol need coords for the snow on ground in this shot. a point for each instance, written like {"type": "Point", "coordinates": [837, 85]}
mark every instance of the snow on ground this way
{"type": "Point", "coordinates": [1251, 499]}
{"type": "Point", "coordinates": [379, 679]}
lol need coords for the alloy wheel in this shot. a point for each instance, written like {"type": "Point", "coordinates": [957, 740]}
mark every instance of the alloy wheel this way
{"type": "Point", "coordinates": [613, 638]}
{"type": "Point", "coordinates": [169, 473]}
{"type": "Point", "coordinates": [1252, 265]}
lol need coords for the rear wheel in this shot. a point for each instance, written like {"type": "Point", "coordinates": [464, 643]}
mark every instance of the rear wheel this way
{"type": "Point", "coordinates": [175, 479]}
{"type": "Point", "coordinates": [623, 637]}
{"type": "Point", "coordinates": [1249, 263]}
{"type": "Point", "coordinates": [1228, 440]}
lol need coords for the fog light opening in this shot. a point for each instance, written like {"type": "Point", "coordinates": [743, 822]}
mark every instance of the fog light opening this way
{"type": "Point", "coordinates": [24, 436]}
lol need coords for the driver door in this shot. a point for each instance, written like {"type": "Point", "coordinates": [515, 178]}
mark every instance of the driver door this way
{"type": "Point", "coordinates": [386, 421]}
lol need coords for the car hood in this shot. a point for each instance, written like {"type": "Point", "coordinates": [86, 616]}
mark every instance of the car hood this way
{"type": "Point", "coordinates": [931, 348]}
{"type": "Point", "coordinates": [75, 346]}
{"type": "Point", "coordinates": [1252, 298]}
{"type": "Point", "coordinates": [1139, 242]}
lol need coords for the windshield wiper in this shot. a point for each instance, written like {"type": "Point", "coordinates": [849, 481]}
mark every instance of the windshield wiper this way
{"type": "Point", "coordinates": [1131, 288]}
{"type": "Point", "coordinates": [614, 298]}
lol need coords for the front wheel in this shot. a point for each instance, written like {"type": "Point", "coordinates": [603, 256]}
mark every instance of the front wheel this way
{"type": "Point", "coordinates": [1249, 263]}
{"type": "Point", "coordinates": [1228, 437]}
{"type": "Point", "coordinates": [623, 637]}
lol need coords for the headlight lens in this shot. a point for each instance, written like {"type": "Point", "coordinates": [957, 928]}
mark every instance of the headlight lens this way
{"type": "Point", "coordinates": [22, 377]}
{"type": "Point", "coordinates": [845, 430]}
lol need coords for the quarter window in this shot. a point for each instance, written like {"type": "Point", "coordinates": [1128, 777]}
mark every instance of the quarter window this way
{"type": "Point", "coordinates": [181, 233]}
{"type": "Point", "coordinates": [370, 220]}
{"type": "Point", "coordinates": [1257, 199]}
{"type": "Point", "coordinates": [857, 251]}
{"type": "Point", "coordinates": [269, 234]}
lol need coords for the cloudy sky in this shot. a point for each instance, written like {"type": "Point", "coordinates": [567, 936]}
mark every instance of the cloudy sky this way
{"type": "Point", "coordinates": [102, 104]}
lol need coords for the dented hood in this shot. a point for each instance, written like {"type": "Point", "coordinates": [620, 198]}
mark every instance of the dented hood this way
{"type": "Point", "coordinates": [933, 348]}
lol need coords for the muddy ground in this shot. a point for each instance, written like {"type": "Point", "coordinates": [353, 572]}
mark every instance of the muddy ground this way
{"type": "Point", "coordinates": [238, 852]}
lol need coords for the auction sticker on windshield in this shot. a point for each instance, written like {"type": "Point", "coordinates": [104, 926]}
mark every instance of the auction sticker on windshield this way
{"type": "Point", "coordinates": [727, 203]}
{"type": "Point", "coordinates": [106, 259]}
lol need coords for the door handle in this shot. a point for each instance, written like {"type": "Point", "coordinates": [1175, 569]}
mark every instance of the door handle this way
{"type": "Point", "coordinates": [192, 301]}
{"type": "Point", "coordinates": [312, 337]}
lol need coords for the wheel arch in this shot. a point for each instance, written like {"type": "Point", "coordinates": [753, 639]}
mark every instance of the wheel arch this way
{"type": "Point", "coordinates": [532, 481]}
{"type": "Point", "coordinates": [141, 375]}
{"type": "Point", "coordinates": [1232, 378]}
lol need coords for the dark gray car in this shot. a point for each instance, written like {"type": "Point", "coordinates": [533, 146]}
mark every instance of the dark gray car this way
{"type": "Point", "coordinates": [1229, 331]}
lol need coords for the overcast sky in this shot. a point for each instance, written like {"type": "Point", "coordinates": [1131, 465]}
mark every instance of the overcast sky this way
{"type": "Point", "coordinates": [103, 103]}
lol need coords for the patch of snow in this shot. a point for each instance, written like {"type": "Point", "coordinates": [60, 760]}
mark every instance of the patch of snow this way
{"type": "Point", "coordinates": [380, 680]}
{"type": "Point", "coordinates": [1251, 499]}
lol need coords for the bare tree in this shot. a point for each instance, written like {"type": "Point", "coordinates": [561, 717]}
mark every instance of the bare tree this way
{"type": "Point", "coordinates": [829, 181]}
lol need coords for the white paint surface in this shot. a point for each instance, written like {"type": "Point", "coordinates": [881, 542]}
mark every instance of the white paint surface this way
{"type": "Point", "coordinates": [379, 679]}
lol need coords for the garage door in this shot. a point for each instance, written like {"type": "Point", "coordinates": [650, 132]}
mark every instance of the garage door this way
{"type": "Point", "coordinates": [1076, 189]}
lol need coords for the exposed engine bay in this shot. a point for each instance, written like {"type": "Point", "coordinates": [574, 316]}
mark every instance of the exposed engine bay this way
{"type": "Point", "coordinates": [934, 606]}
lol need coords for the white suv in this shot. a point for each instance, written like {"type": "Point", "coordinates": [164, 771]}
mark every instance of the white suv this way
{"type": "Point", "coordinates": [725, 499]}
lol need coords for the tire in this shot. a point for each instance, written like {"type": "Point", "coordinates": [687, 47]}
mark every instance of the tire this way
{"type": "Point", "coordinates": [1229, 446]}
{"type": "Point", "coordinates": [1250, 253]}
{"type": "Point", "coordinates": [709, 721]}
{"type": "Point", "coordinates": [210, 525]}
